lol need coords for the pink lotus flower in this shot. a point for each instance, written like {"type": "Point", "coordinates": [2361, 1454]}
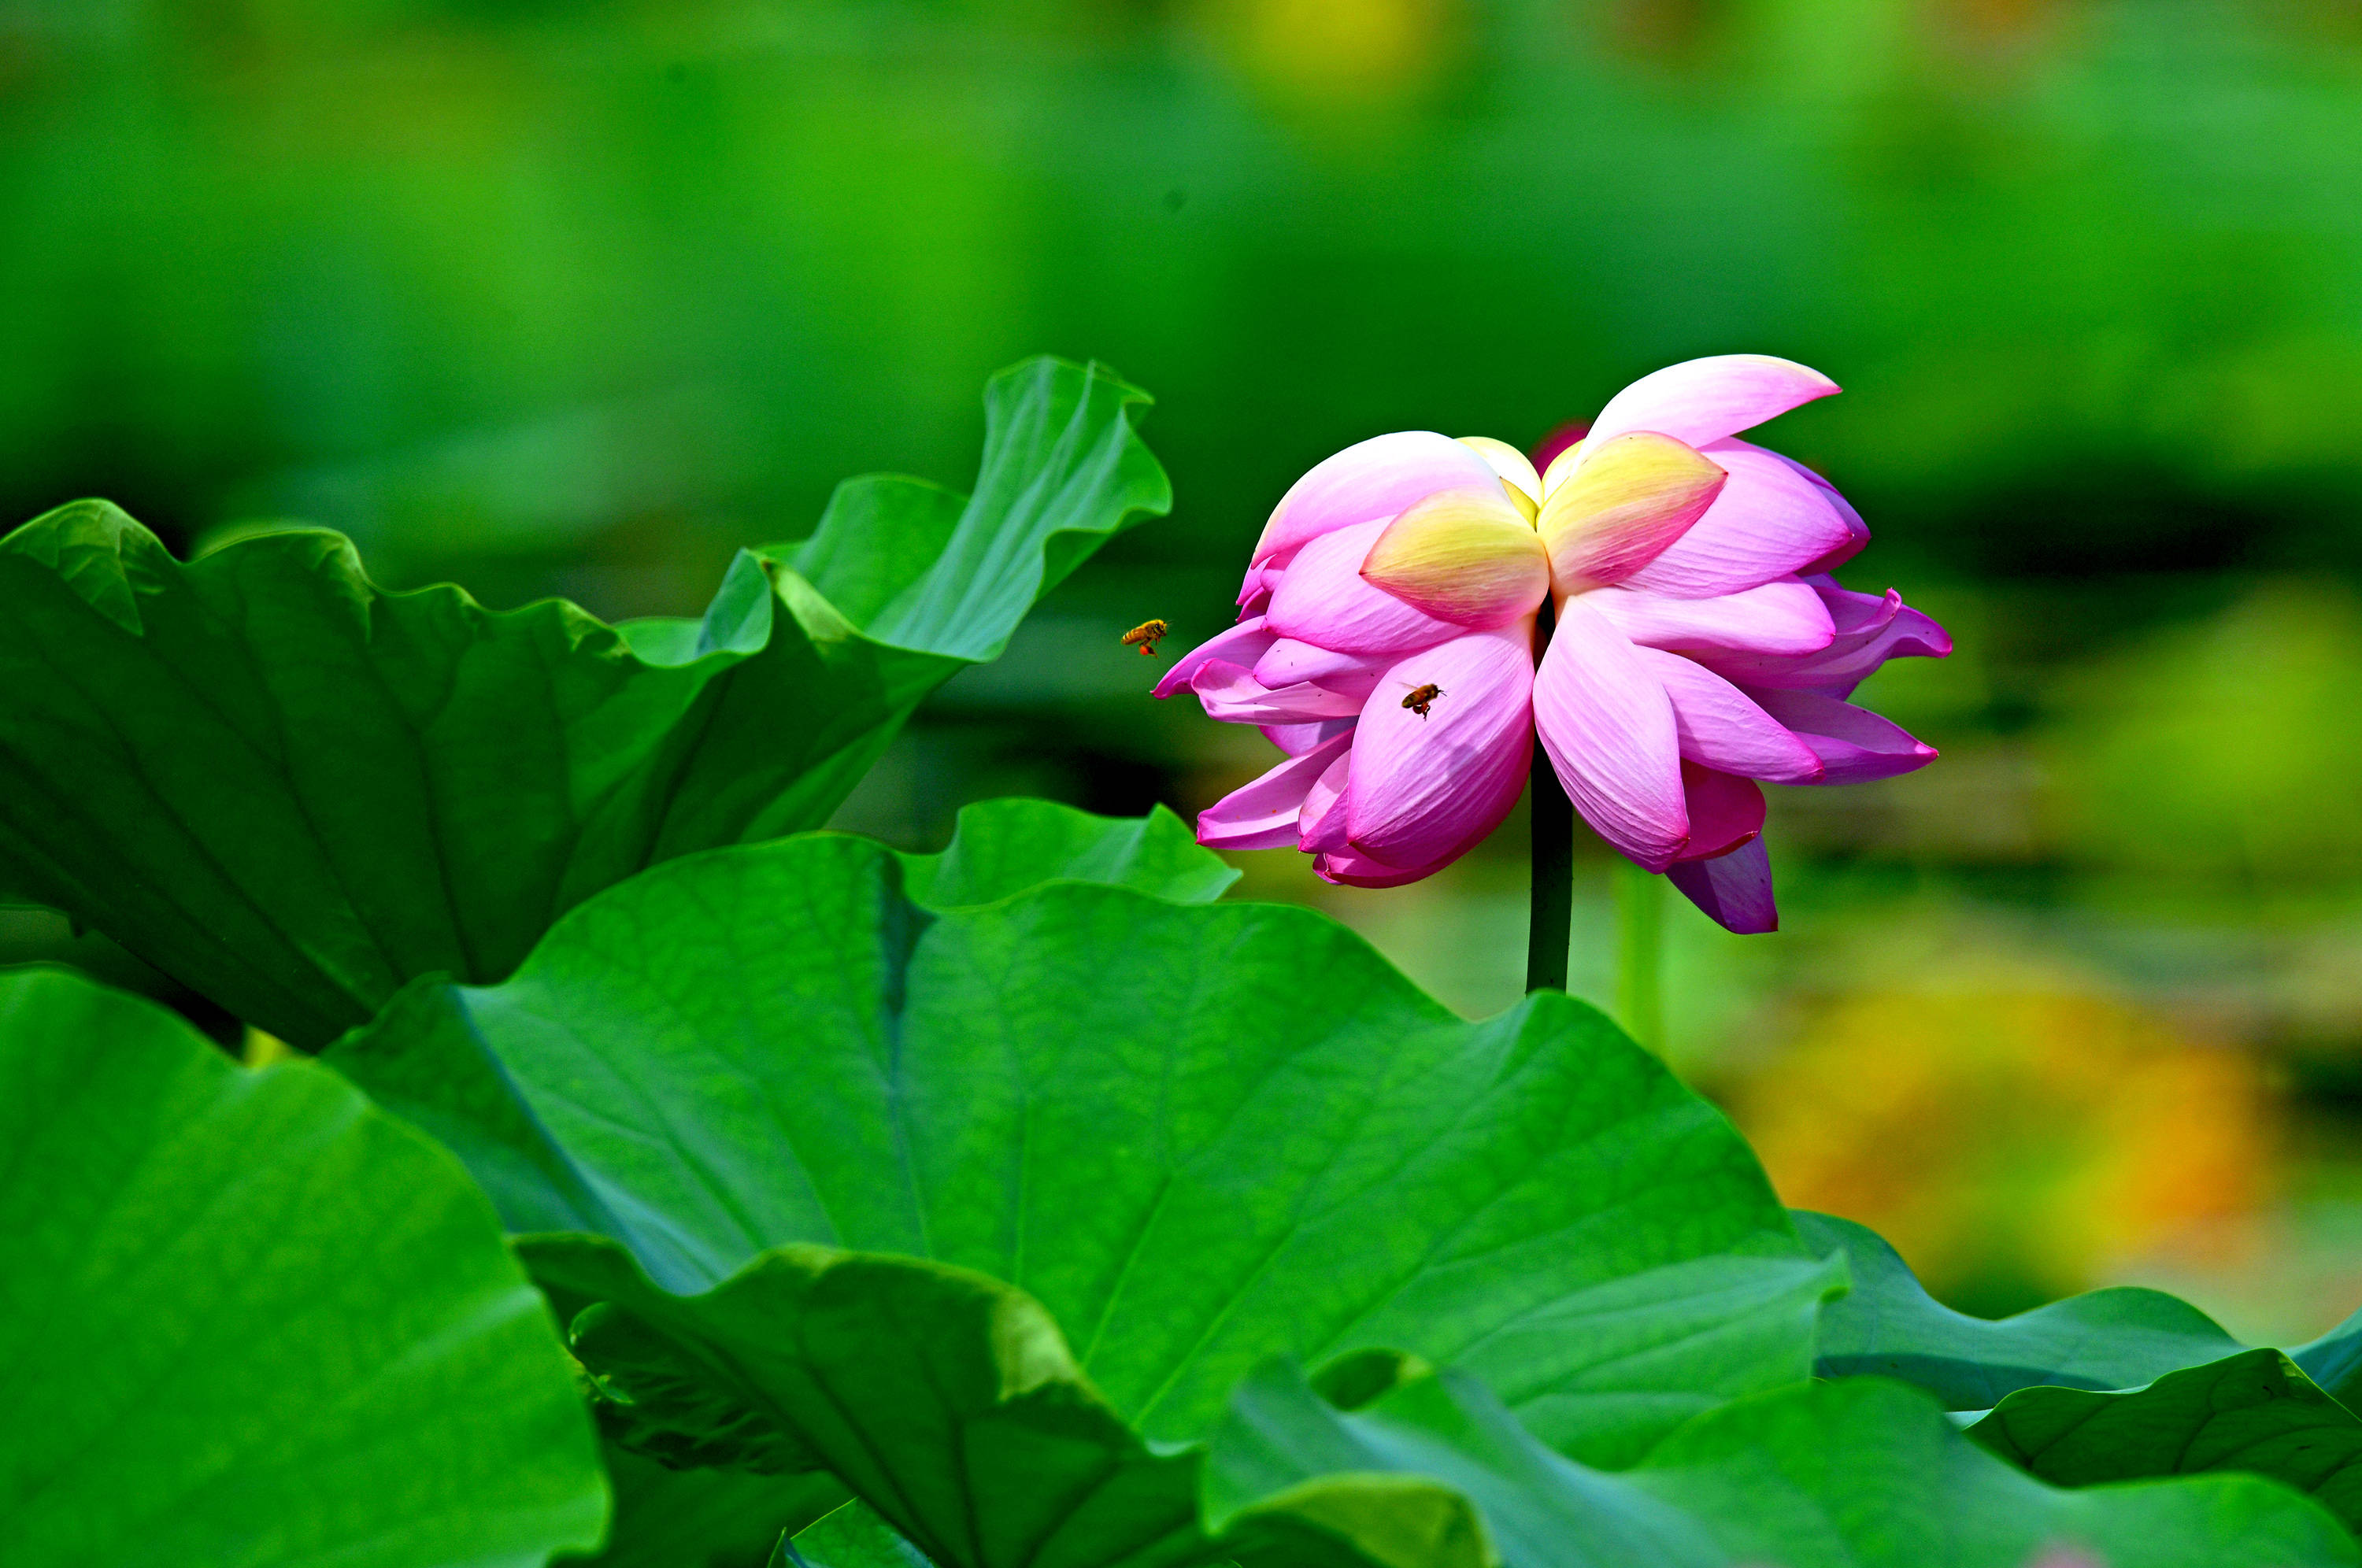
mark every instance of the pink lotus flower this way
{"type": "Point", "coordinates": [1699, 642]}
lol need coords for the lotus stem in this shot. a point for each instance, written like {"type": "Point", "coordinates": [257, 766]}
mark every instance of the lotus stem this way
{"type": "Point", "coordinates": [1640, 955]}
{"type": "Point", "coordinates": [1549, 926]}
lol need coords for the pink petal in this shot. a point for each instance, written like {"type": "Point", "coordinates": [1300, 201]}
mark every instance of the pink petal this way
{"type": "Point", "coordinates": [1854, 744]}
{"type": "Point", "coordinates": [1424, 790]}
{"type": "Point", "coordinates": [1734, 889]}
{"type": "Point", "coordinates": [1769, 522]}
{"type": "Point", "coordinates": [1856, 530]}
{"type": "Point", "coordinates": [1234, 696]}
{"type": "Point", "coordinates": [1622, 506]}
{"type": "Point", "coordinates": [1323, 600]}
{"type": "Point", "coordinates": [1373, 478]}
{"type": "Point", "coordinates": [1705, 400]}
{"type": "Point", "coordinates": [1288, 661]}
{"type": "Point", "coordinates": [1608, 727]}
{"type": "Point", "coordinates": [1360, 871]}
{"type": "Point", "coordinates": [1320, 825]}
{"type": "Point", "coordinates": [1777, 618]}
{"type": "Point", "coordinates": [1262, 815]}
{"type": "Point", "coordinates": [1870, 631]}
{"type": "Point", "coordinates": [1297, 739]}
{"type": "Point", "coordinates": [1242, 643]}
{"type": "Point", "coordinates": [1255, 590]}
{"type": "Point", "coordinates": [1725, 811]}
{"type": "Point", "coordinates": [1722, 728]}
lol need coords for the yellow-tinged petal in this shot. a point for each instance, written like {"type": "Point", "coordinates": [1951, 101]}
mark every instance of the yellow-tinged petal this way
{"type": "Point", "coordinates": [1560, 467]}
{"type": "Point", "coordinates": [1517, 471]}
{"type": "Point", "coordinates": [1463, 556]}
{"type": "Point", "coordinates": [1621, 505]}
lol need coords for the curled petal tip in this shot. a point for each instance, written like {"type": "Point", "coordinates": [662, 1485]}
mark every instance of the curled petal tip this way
{"type": "Point", "coordinates": [1705, 400]}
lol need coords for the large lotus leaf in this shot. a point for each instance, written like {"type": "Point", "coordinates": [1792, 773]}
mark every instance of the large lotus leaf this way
{"type": "Point", "coordinates": [2334, 1360]}
{"type": "Point", "coordinates": [946, 1401]}
{"type": "Point", "coordinates": [666, 1518]}
{"type": "Point", "coordinates": [445, 1078]}
{"type": "Point", "coordinates": [248, 1318]}
{"type": "Point", "coordinates": [1862, 1474]}
{"type": "Point", "coordinates": [1197, 1135]}
{"type": "Point", "coordinates": [1889, 1326]}
{"type": "Point", "coordinates": [1003, 847]}
{"type": "Point", "coordinates": [853, 1537]}
{"type": "Point", "coordinates": [2257, 1411]}
{"type": "Point", "coordinates": [296, 792]}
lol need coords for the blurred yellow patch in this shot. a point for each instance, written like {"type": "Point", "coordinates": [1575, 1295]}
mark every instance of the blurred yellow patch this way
{"type": "Point", "coordinates": [2014, 1145]}
{"type": "Point", "coordinates": [1328, 51]}
{"type": "Point", "coordinates": [2225, 748]}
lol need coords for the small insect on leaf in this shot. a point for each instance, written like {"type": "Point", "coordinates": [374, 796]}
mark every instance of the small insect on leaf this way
{"type": "Point", "coordinates": [1420, 697]}
{"type": "Point", "coordinates": [1145, 636]}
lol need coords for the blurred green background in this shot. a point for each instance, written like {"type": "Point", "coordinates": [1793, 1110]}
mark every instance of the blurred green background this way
{"type": "Point", "coordinates": [577, 296]}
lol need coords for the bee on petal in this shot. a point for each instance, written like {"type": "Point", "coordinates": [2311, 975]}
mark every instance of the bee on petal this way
{"type": "Point", "coordinates": [1421, 697]}
{"type": "Point", "coordinates": [1145, 636]}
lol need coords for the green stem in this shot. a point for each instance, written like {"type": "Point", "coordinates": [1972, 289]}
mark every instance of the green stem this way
{"type": "Point", "coordinates": [1550, 926]}
{"type": "Point", "coordinates": [1640, 955]}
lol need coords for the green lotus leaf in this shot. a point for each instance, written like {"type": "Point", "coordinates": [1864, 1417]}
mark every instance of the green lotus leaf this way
{"type": "Point", "coordinates": [1003, 847]}
{"type": "Point", "coordinates": [296, 792]}
{"type": "Point", "coordinates": [1889, 1326]}
{"type": "Point", "coordinates": [853, 1537]}
{"type": "Point", "coordinates": [703, 1518]}
{"type": "Point", "coordinates": [444, 1077]}
{"type": "Point", "coordinates": [1183, 1138]}
{"type": "Point", "coordinates": [248, 1319]}
{"type": "Point", "coordinates": [945, 1399]}
{"type": "Point", "coordinates": [2334, 1360]}
{"type": "Point", "coordinates": [1861, 1474]}
{"type": "Point", "coordinates": [2256, 1411]}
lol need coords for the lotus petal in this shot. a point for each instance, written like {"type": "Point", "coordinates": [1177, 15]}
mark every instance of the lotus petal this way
{"type": "Point", "coordinates": [1870, 631]}
{"type": "Point", "coordinates": [1786, 618]}
{"type": "Point", "coordinates": [1320, 825]}
{"type": "Point", "coordinates": [1725, 811]}
{"type": "Point", "coordinates": [1771, 521]}
{"type": "Point", "coordinates": [1243, 644]}
{"type": "Point", "coordinates": [1608, 727]}
{"type": "Point", "coordinates": [1425, 787]}
{"type": "Point", "coordinates": [1370, 480]}
{"type": "Point", "coordinates": [1233, 695]}
{"type": "Point", "coordinates": [1287, 661]}
{"type": "Point", "coordinates": [1517, 471]}
{"type": "Point", "coordinates": [1297, 739]}
{"type": "Point", "coordinates": [1323, 600]}
{"type": "Point", "coordinates": [1623, 503]}
{"type": "Point", "coordinates": [1854, 744]}
{"type": "Point", "coordinates": [1734, 889]}
{"type": "Point", "coordinates": [1700, 401]}
{"type": "Point", "coordinates": [1721, 727]}
{"type": "Point", "coordinates": [1262, 815]}
{"type": "Point", "coordinates": [1856, 530]}
{"type": "Point", "coordinates": [1462, 556]}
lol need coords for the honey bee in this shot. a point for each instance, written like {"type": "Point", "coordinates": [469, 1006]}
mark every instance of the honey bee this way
{"type": "Point", "coordinates": [1419, 699]}
{"type": "Point", "coordinates": [1145, 636]}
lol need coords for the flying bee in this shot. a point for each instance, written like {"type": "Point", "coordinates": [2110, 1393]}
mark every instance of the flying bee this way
{"type": "Point", "coordinates": [1418, 699]}
{"type": "Point", "coordinates": [1145, 636]}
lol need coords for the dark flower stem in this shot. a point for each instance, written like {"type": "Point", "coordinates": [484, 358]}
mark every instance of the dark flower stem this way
{"type": "Point", "coordinates": [1549, 927]}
